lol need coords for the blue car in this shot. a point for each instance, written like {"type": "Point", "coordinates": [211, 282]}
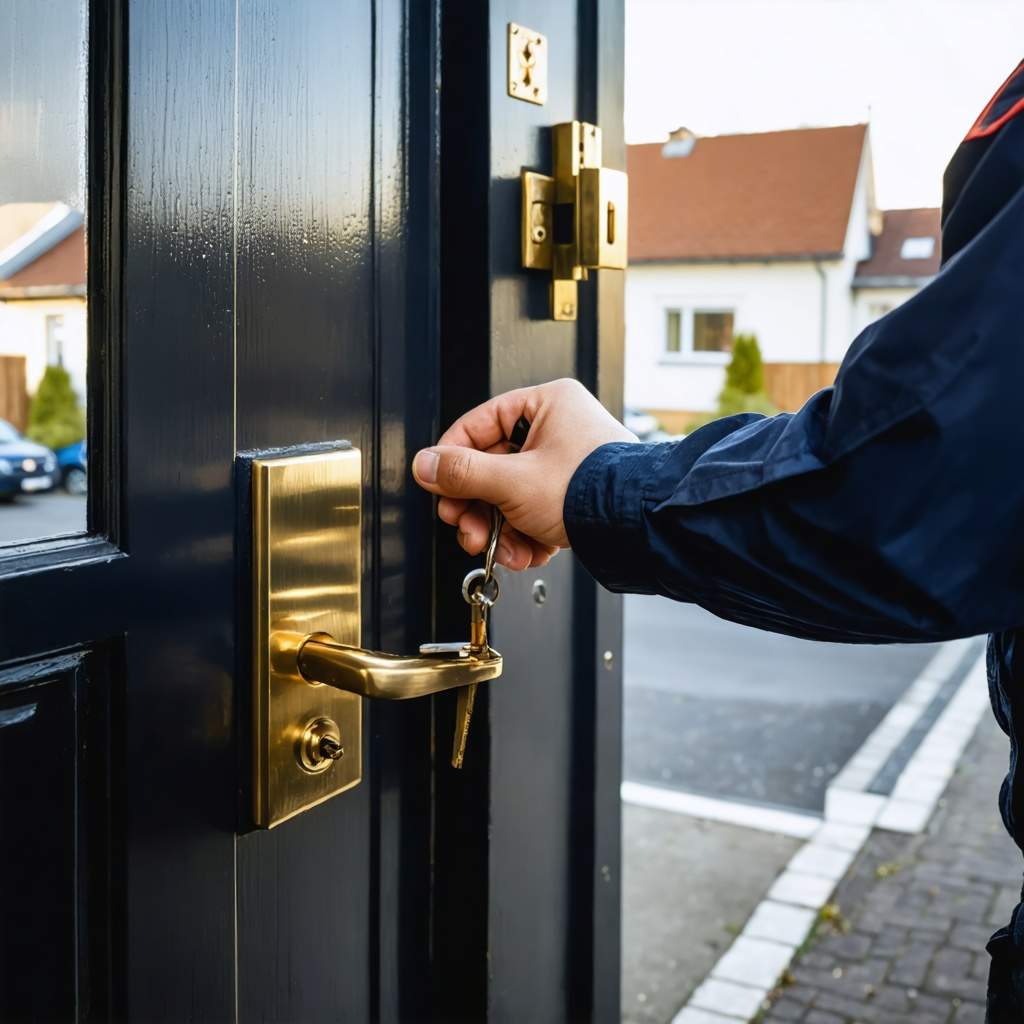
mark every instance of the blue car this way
{"type": "Point", "coordinates": [71, 461]}
{"type": "Point", "coordinates": [24, 465]}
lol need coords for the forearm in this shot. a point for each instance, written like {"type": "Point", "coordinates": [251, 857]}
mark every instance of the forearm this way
{"type": "Point", "coordinates": [889, 508]}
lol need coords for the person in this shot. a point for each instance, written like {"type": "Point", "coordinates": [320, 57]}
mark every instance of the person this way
{"type": "Point", "coordinates": [890, 508]}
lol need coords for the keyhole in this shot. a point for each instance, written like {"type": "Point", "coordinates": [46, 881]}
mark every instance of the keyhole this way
{"type": "Point", "coordinates": [528, 59]}
{"type": "Point", "coordinates": [319, 745]}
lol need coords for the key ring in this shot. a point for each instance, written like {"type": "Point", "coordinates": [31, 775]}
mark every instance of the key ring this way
{"type": "Point", "coordinates": [477, 589]}
{"type": "Point", "coordinates": [497, 520]}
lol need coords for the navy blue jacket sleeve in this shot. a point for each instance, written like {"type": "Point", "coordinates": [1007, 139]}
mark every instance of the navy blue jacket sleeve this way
{"type": "Point", "coordinates": [889, 508]}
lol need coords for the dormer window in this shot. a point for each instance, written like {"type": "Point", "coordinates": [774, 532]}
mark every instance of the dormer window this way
{"type": "Point", "coordinates": [917, 248]}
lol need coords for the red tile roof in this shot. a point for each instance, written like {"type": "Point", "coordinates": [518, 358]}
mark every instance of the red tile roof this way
{"type": "Point", "coordinates": [61, 266]}
{"type": "Point", "coordinates": [886, 264]}
{"type": "Point", "coordinates": [766, 196]}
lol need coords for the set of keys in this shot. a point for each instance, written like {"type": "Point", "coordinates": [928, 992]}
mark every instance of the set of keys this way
{"type": "Point", "coordinates": [480, 590]}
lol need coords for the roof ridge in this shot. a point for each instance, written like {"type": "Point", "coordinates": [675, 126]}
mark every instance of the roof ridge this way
{"type": "Point", "coordinates": [53, 227]}
{"type": "Point", "coordinates": [806, 129]}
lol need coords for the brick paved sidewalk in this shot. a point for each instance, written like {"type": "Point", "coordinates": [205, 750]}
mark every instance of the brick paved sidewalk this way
{"type": "Point", "coordinates": [905, 943]}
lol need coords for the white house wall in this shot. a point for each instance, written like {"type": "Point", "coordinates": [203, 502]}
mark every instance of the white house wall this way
{"type": "Point", "coordinates": [23, 333]}
{"type": "Point", "coordinates": [870, 303]}
{"type": "Point", "coordinates": [779, 302]}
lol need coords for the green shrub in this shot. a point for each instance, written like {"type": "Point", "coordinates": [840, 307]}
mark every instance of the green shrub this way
{"type": "Point", "coordinates": [55, 417]}
{"type": "Point", "coordinates": [732, 401]}
{"type": "Point", "coordinates": [744, 384]}
{"type": "Point", "coordinates": [745, 371]}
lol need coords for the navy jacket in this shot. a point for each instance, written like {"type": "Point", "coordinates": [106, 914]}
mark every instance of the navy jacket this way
{"type": "Point", "coordinates": [891, 506]}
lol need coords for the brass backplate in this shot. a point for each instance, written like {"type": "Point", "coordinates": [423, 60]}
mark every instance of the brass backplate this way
{"type": "Point", "coordinates": [307, 536]}
{"type": "Point", "coordinates": [537, 212]}
{"type": "Point", "coordinates": [527, 64]}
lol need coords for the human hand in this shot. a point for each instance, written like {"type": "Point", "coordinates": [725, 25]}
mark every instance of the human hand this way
{"type": "Point", "coordinates": [472, 465]}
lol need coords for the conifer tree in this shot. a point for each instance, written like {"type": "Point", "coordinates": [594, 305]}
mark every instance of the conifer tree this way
{"type": "Point", "coordinates": [745, 371]}
{"type": "Point", "coordinates": [744, 380]}
{"type": "Point", "coordinates": [55, 418]}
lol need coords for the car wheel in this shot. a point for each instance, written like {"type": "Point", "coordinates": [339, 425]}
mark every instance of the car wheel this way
{"type": "Point", "coordinates": [75, 481]}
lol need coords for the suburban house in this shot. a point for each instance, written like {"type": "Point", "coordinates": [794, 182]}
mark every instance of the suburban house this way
{"type": "Point", "coordinates": [42, 300]}
{"type": "Point", "coordinates": [774, 234]}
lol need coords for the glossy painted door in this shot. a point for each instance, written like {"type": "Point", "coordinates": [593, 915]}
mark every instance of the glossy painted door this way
{"type": "Point", "coordinates": [290, 204]}
{"type": "Point", "coordinates": [261, 274]}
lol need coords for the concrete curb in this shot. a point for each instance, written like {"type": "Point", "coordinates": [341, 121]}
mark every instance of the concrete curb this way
{"type": "Point", "coordinates": [749, 970]}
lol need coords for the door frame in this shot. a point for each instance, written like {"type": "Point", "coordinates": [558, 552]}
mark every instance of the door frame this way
{"type": "Point", "coordinates": [479, 217]}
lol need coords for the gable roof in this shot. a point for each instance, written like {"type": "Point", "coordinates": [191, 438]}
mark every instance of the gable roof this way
{"type": "Point", "coordinates": [44, 251]}
{"type": "Point", "coordinates": [773, 195]}
{"type": "Point", "coordinates": [887, 267]}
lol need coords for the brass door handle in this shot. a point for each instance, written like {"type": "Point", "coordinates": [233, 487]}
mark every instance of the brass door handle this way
{"type": "Point", "coordinates": [308, 672]}
{"type": "Point", "coordinates": [438, 667]}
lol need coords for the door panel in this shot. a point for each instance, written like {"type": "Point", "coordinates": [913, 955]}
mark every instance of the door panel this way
{"type": "Point", "coordinates": [305, 316]}
{"type": "Point", "coordinates": [176, 450]}
{"type": "Point", "coordinates": [332, 343]}
{"type": "Point", "coordinates": [54, 791]}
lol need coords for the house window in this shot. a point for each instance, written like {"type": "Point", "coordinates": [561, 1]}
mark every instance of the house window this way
{"type": "Point", "coordinates": [712, 332]}
{"type": "Point", "coordinates": [917, 248]}
{"type": "Point", "coordinates": [673, 331]}
{"type": "Point", "coordinates": [698, 334]}
{"type": "Point", "coordinates": [55, 341]}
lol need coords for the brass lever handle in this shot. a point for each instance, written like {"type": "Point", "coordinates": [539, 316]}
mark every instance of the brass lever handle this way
{"type": "Point", "coordinates": [438, 667]}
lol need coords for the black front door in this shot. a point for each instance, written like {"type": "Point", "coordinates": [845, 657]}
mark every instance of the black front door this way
{"type": "Point", "coordinates": [283, 218]}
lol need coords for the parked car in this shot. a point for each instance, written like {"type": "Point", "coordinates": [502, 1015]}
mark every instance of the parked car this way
{"type": "Point", "coordinates": [641, 423]}
{"type": "Point", "coordinates": [24, 465]}
{"type": "Point", "coordinates": [71, 461]}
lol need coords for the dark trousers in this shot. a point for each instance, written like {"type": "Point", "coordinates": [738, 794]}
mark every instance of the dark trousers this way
{"type": "Point", "coordinates": [1006, 690]}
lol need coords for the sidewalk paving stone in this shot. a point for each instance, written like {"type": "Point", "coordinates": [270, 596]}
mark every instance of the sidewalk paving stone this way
{"type": "Point", "coordinates": [907, 944]}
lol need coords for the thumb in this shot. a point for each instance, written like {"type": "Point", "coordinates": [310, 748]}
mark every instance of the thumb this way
{"type": "Point", "coordinates": [458, 472]}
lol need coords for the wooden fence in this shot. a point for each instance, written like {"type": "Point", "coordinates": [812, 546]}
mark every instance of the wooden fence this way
{"type": "Point", "coordinates": [789, 385]}
{"type": "Point", "coordinates": [13, 394]}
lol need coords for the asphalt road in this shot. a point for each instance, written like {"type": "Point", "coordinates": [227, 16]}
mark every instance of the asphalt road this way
{"type": "Point", "coordinates": [731, 712]}
{"type": "Point", "coordinates": [34, 516]}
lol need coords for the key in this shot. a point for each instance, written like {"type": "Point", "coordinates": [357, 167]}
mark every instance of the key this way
{"type": "Point", "coordinates": [480, 593]}
{"type": "Point", "coordinates": [466, 697]}
{"type": "Point", "coordinates": [480, 590]}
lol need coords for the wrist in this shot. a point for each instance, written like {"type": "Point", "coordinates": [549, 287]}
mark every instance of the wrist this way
{"type": "Point", "coordinates": [605, 512]}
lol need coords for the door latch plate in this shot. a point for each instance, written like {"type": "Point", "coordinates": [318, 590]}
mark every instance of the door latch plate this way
{"type": "Point", "coordinates": [307, 542]}
{"type": "Point", "coordinates": [575, 220]}
{"type": "Point", "coordinates": [527, 64]}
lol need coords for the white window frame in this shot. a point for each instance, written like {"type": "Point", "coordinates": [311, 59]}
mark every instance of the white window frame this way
{"type": "Point", "coordinates": [918, 247]}
{"type": "Point", "coordinates": [55, 326]}
{"type": "Point", "coordinates": [687, 355]}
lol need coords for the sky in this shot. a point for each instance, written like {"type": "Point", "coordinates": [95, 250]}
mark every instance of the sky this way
{"type": "Point", "coordinates": [919, 71]}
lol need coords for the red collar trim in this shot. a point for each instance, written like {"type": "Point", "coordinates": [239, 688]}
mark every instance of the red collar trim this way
{"type": "Point", "coordinates": [983, 127]}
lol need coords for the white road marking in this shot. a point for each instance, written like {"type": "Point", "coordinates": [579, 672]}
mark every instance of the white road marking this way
{"type": "Point", "coordinates": [765, 819]}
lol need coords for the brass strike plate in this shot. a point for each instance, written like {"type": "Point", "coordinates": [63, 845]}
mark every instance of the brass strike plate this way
{"type": "Point", "coordinates": [307, 537]}
{"type": "Point", "coordinates": [527, 64]}
{"type": "Point", "coordinates": [604, 220]}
